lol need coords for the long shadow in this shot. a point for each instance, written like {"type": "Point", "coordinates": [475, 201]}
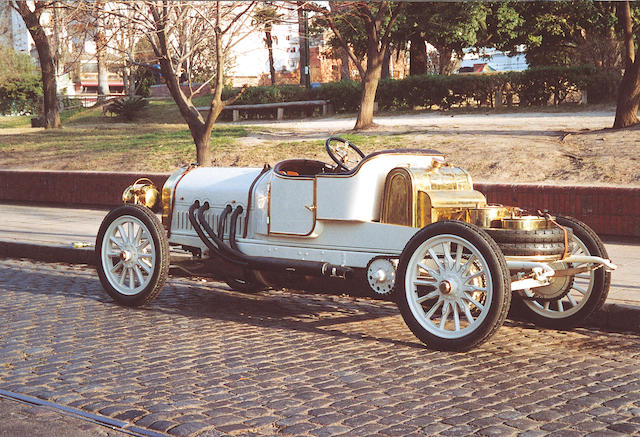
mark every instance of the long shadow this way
{"type": "Point", "coordinates": [215, 302]}
{"type": "Point", "coordinates": [293, 311]}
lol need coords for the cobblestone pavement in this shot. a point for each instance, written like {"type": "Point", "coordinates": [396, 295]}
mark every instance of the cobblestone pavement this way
{"type": "Point", "coordinates": [203, 360]}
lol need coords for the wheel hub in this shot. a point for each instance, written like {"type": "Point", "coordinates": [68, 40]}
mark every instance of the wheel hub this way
{"type": "Point", "coordinates": [381, 275]}
{"type": "Point", "coordinates": [445, 287]}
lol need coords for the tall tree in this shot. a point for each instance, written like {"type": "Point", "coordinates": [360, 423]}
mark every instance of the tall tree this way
{"type": "Point", "coordinates": [100, 39]}
{"type": "Point", "coordinates": [376, 20]}
{"type": "Point", "coordinates": [265, 17]}
{"type": "Point", "coordinates": [629, 91]}
{"type": "Point", "coordinates": [31, 18]}
{"type": "Point", "coordinates": [177, 32]}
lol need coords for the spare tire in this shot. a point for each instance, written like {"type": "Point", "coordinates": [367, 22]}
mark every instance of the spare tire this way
{"type": "Point", "coordinates": [555, 235]}
{"type": "Point", "coordinates": [539, 242]}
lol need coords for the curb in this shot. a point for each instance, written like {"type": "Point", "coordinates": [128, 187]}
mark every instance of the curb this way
{"type": "Point", "coordinates": [47, 253]}
{"type": "Point", "coordinates": [612, 316]}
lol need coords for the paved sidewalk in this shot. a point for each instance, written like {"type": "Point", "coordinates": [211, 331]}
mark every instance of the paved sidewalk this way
{"type": "Point", "coordinates": [49, 233]}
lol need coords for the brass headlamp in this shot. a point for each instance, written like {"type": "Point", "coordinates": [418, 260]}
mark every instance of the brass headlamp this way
{"type": "Point", "coordinates": [142, 192]}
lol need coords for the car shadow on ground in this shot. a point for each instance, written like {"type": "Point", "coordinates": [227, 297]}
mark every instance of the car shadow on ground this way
{"type": "Point", "coordinates": [324, 314]}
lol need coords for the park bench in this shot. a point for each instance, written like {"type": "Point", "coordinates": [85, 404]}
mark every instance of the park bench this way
{"type": "Point", "coordinates": [279, 107]}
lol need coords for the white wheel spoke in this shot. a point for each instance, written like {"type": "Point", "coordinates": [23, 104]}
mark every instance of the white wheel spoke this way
{"type": "Point", "coordinates": [424, 282]}
{"type": "Point", "coordinates": [433, 309]}
{"type": "Point", "coordinates": [138, 274]}
{"type": "Point", "coordinates": [435, 259]}
{"type": "Point", "coordinates": [445, 315]}
{"type": "Point", "coordinates": [572, 300]}
{"type": "Point", "coordinates": [560, 307]}
{"type": "Point", "coordinates": [122, 276]}
{"type": "Point", "coordinates": [579, 289]}
{"type": "Point", "coordinates": [474, 289]}
{"type": "Point", "coordinates": [468, 265]}
{"type": "Point", "coordinates": [123, 234]}
{"type": "Point", "coordinates": [116, 266]}
{"type": "Point", "coordinates": [428, 296]}
{"type": "Point", "coordinates": [475, 275]}
{"type": "Point", "coordinates": [583, 276]}
{"type": "Point", "coordinates": [132, 284]}
{"type": "Point", "coordinates": [145, 266]}
{"type": "Point", "coordinates": [456, 316]}
{"type": "Point", "coordinates": [467, 313]}
{"type": "Point", "coordinates": [473, 301]}
{"type": "Point", "coordinates": [145, 255]}
{"type": "Point", "coordinates": [432, 272]}
{"type": "Point", "coordinates": [138, 235]}
{"type": "Point", "coordinates": [112, 254]}
{"type": "Point", "coordinates": [116, 242]}
{"type": "Point", "coordinates": [446, 248]}
{"type": "Point", "coordinates": [546, 305]}
{"type": "Point", "coordinates": [458, 265]}
{"type": "Point", "coordinates": [130, 229]}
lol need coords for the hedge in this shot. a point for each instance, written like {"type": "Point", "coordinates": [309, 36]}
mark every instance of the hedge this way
{"type": "Point", "coordinates": [19, 95]}
{"type": "Point", "coordinates": [532, 87]}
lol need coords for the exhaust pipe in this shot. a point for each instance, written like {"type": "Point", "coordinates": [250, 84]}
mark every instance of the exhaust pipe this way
{"type": "Point", "coordinates": [233, 253]}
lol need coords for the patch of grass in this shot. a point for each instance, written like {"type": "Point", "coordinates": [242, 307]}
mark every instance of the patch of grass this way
{"type": "Point", "coordinates": [10, 121]}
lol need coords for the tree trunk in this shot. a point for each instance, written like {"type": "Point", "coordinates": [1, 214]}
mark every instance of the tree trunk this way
{"type": "Point", "coordinates": [417, 55]}
{"type": "Point", "coordinates": [623, 12]}
{"type": "Point", "coordinates": [103, 78]}
{"type": "Point", "coordinates": [386, 64]}
{"type": "Point", "coordinates": [444, 60]}
{"type": "Point", "coordinates": [369, 88]}
{"type": "Point", "coordinates": [203, 151]}
{"type": "Point", "coordinates": [629, 90]}
{"type": "Point", "coordinates": [628, 97]}
{"type": "Point", "coordinates": [269, 42]}
{"type": "Point", "coordinates": [302, 43]}
{"type": "Point", "coordinates": [47, 67]}
{"type": "Point", "coordinates": [345, 73]}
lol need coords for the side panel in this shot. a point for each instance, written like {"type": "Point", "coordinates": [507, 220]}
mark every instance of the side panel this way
{"type": "Point", "coordinates": [358, 196]}
{"type": "Point", "coordinates": [350, 244]}
{"type": "Point", "coordinates": [292, 205]}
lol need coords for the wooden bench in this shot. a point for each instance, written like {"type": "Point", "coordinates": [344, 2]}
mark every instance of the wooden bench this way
{"type": "Point", "coordinates": [279, 107]}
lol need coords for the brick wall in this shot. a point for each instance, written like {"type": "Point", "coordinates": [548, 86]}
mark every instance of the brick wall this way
{"type": "Point", "coordinates": [609, 210]}
{"type": "Point", "coordinates": [69, 188]}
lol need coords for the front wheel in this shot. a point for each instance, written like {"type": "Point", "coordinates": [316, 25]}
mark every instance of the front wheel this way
{"type": "Point", "coordinates": [454, 285]}
{"type": "Point", "coordinates": [580, 295]}
{"type": "Point", "coordinates": [133, 255]}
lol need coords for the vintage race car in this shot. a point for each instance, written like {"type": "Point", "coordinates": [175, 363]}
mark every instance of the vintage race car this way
{"type": "Point", "coordinates": [405, 221]}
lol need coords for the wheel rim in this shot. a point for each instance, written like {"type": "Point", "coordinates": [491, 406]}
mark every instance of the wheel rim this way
{"type": "Point", "coordinates": [448, 286]}
{"type": "Point", "coordinates": [576, 298]}
{"type": "Point", "coordinates": [128, 255]}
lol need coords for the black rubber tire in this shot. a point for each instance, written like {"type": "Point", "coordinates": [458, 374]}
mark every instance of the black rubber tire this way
{"type": "Point", "coordinates": [532, 249]}
{"type": "Point", "coordinates": [160, 270]}
{"type": "Point", "coordinates": [498, 271]}
{"type": "Point", "coordinates": [600, 288]}
{"type": "Point", "coordinates": [516, 236]}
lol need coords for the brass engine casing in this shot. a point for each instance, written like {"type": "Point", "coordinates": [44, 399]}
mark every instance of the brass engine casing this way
{"type": "Point", "coordinates": [419, 196]}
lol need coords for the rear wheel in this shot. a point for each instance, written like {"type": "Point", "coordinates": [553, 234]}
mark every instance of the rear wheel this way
{"type": "Point", "coordinates": [581, 294]}
{"type": "Point", "coordinates": [133, 255]}
{"type": "Point", "coordinates": [453, 285]}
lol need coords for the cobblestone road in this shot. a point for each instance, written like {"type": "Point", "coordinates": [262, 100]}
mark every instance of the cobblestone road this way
{"type": "Point", "coordinates": [204, 360]}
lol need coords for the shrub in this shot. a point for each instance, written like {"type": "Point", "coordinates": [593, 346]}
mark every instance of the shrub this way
{"type": "Point", "coordinates": [535, 86]}
{"type": "Point", "coordinates": [19, 95]}
{"type": "Point", "coordinates": [128, 107]}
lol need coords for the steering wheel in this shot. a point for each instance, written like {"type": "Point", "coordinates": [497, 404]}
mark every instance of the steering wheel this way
{"type": "Point", "coordinates": [341, 151]}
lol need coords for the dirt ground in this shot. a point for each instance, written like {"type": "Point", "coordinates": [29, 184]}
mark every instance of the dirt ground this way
{"type": "Point", "coordinates": [536, 147]}
{"type": "Point", "coordinates": [562, 148]}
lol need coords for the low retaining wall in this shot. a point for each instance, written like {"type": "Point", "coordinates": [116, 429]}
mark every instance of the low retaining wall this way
{"type": "Point", "coordinates": [70, 188]}
{"type": "Point", "coordinates": [608, 210]}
